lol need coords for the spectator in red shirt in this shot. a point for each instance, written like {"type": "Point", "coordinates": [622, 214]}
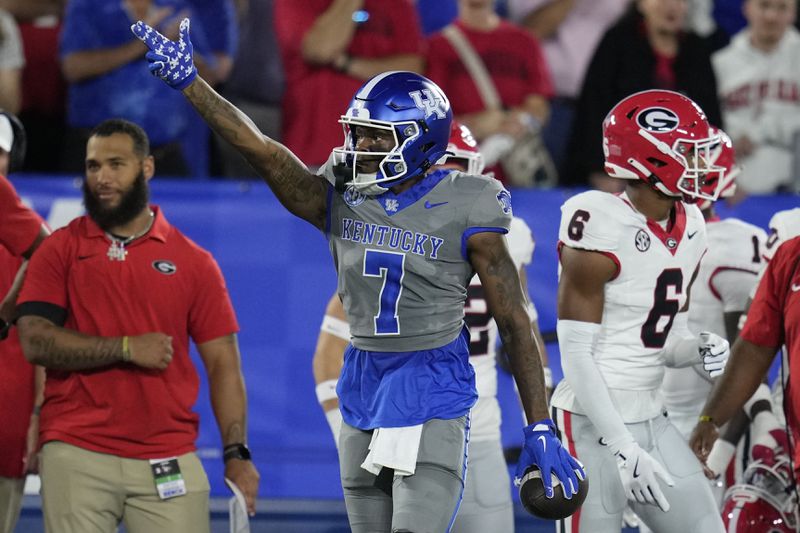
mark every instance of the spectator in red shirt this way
{"type": "Point", "coordinates": [20, 384]}
{"type": "Point", "coordinates": [516, 66]}
{"type": "Point", "coordinates": [108, 307]}
{"type": "Point", "coordinates": [329, 48]}
{"type": "Point", "coordinates": [772, 320]}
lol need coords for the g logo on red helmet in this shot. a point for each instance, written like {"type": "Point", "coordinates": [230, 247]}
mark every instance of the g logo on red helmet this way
{"type": "Point", "coordinates": [657, 119]}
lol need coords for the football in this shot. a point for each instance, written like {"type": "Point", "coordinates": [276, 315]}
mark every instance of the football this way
{"type": "Point", "coordinates": [532, 496]}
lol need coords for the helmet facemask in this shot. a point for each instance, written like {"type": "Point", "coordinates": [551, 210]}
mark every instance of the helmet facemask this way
{"type": "Point", "coordinates": [374, 171]}
{"type": "Point", "coordinates": [701, 177]}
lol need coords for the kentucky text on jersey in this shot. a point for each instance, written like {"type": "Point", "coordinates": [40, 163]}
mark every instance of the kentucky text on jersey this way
{"type": "Point", "coordinates": [397, 238]}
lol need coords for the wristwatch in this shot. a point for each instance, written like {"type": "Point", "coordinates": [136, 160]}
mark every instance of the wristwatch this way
{"type": "Point", "coordinates": [236, 451]}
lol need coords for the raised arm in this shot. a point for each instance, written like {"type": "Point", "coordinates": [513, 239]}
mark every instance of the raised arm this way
{"type": "Point", "coordinates": [301, 192]}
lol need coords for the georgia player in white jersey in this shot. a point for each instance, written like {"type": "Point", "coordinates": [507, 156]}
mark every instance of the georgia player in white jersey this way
{"type": "Point", "coordinates": [487, 503]}
{"type": "Point", "coordinates": [728, 272]}
{"type": "Point", "coordinates": [627, 264]}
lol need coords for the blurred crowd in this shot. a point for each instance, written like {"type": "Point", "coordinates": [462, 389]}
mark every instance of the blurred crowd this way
{"type": "Point", "coordinates": [533, 79]}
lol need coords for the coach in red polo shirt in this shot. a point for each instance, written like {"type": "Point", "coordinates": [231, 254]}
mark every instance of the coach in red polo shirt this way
{"type": "Point", "coordinates": [773, 320]}
{"type": "Point", "coordinates": [108, 307]}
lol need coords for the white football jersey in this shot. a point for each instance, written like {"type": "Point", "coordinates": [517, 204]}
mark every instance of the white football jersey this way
{"type": "Point", "coordinates": [485, 421]}
{"type": "Point", "coordinates": [655, 267]}
{"type": "Point", "coordinates": [727, 274]}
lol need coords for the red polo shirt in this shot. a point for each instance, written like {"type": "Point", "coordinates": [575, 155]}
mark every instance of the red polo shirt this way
{"type": "Point", "coordinates": [167, 284]}
{"type": "Point", "coordinates": [774, 319]}
{"type": "Point", "coordinates": [20, 228]}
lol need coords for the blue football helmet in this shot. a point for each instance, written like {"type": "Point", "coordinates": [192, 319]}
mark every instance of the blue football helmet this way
{"type": "Point", "coordinates": [416, 113]}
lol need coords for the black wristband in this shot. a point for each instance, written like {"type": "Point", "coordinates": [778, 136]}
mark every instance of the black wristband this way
{"type": "Point", "coordinates": [236, 451]}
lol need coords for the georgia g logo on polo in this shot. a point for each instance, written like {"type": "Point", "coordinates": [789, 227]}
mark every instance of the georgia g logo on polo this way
{"type": "Point", "coordinates": [165, 266]}
{"type": "Point", "coordinates": [657, 119]}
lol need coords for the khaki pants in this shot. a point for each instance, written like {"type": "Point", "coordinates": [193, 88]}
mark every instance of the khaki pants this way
{"type": "Point", "coordinates": [89, 492]}
{"type": "Point", "coordinates": [10, 502]}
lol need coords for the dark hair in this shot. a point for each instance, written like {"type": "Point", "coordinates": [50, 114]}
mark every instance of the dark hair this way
{"type": "Point", "coordinates": [107, 128]}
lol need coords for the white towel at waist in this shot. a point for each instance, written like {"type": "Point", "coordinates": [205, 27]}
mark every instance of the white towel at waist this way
{"type": "Point", "coordinates": [395, 448]}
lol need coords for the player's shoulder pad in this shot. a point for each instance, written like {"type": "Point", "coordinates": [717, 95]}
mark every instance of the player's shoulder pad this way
{"type": "Point", "coordinates": [520, 242]}
{"type": "Point", "coordinates": [786, 223]}
{"type": "Point", "coordinates": [472, 183]}
{"type": "Point", "coordinates": [731, 244]}
{"type": "Point", "coordinates": [326, 170]}
{"type": "Point", "coordinates": [593, 220]}
{"type": "Point", "coordinates": [489, 203]}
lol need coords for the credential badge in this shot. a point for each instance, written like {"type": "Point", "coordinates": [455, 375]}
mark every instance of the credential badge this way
{"type": "Point", "coordinates": [642, 241]}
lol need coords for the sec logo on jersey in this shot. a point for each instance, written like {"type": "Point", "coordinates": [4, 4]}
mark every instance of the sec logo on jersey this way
{"type": "Point", "coordinates": [657, 119]}
{"type": "Point", "coordinates": [642, 241]}
{"type": "Point", "coordinates": [353, 196]}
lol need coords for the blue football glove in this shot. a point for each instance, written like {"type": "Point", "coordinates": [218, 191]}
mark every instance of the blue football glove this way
{"type": "Point", "coordinates": [169, 60]}
{"type": "Point", "coordinates": [543, 449]}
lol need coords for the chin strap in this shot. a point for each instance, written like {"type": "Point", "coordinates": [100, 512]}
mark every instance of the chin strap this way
{"type": "Point", "coordinates": [342, 174]}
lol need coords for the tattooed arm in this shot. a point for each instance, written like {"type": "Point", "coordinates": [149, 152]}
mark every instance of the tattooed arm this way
{"type": "Point", "coordinates": [229, 400]}
{"type": "Point", "coordinates": [301, 192]}
{"type": "Point", "coordinates": [51, 346]}
{"type": "Point", "coordinates": [490, 258]}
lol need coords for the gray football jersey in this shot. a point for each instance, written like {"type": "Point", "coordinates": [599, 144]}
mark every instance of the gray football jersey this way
{"type": "Point", "coordinates": [403, 271]}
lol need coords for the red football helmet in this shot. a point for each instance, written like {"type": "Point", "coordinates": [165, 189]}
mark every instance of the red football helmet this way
{"type": "Point", "coordinates": [464, 149]}
{"type": "Point", "coordinates": [664, 139]}
{"type": "Point", "coordinates": [765, 502]}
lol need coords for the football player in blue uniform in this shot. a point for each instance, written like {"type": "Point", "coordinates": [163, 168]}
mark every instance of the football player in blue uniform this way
{"type": "Point", "coordinates": [406, 241]}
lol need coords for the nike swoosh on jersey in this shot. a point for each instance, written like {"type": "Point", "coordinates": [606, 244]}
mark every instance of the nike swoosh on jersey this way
{"type": "Point", "coordinates": [82, 257]}
{"type": "Point", "coordinates": [636, 468]}
{"type": "Point", "coordinates": [429, 205]}
{"type": "Point", "coordinates": [690, 235]}
{"type": "Point", "coordinates": [795, 287]}
{"type": "Point", "coordinates": [543, 440]}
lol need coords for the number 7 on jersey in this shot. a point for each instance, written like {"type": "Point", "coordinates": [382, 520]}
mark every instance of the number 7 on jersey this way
{"type": "Point", "coordinates": [391, 267]}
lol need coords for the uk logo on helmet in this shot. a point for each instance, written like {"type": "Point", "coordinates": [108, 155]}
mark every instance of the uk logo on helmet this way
{"type": "Point", "coordinates": [431, 104]}
{"type": "Point", "coordinates": [657, 119]}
